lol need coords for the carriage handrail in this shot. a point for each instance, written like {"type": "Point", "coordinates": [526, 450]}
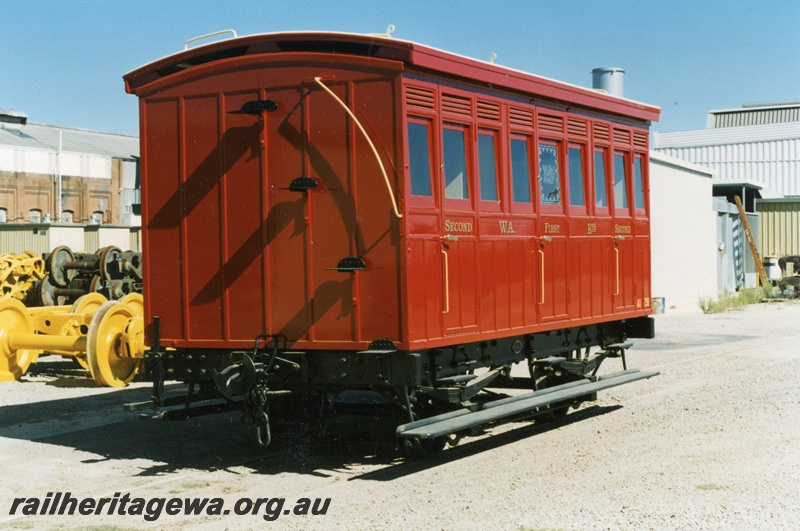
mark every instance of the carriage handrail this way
{"type": "Point", "coordinates": [369, 141]}
{"type": "Point", "coordinates": [206, 36]}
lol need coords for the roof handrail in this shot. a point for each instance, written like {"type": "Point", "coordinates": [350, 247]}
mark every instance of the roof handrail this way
{"type": "Point", "coordinates": [208, 35]}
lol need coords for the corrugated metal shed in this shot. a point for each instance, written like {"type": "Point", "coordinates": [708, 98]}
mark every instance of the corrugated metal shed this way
{"type": "Point", "coordinates": [780, 226]}
{"type": "Point", "coordinates": [755, 114]}
{"type": "Point", "coordinates": [765, 154]}
{"type": "Point", "coordinates": [74, 140]}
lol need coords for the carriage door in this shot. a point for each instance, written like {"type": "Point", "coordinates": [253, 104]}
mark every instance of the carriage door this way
{"type": "Point", "coordinates": [552, 233]}
{"type": "Point", "coordinates": [310, 219]}
{"type": "Point", "coordinates": [622, 267]}
{"type": "Point", "coordinates": [458, 233]}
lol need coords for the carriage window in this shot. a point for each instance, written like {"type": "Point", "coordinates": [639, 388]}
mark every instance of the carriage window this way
{"type": "Point", "coordinates": [600, 194]}
{"type": "Point", "coordinates": [455, 164]}
{"type": "Point", "coordinates": [419, 159]}
{"type": "Point", "coordinates": [520, 171]}
{"type": "Point", "coordinates": [638, 183]}
{"type": "Point", "coordinates": [488, 166]}
{"type": "Point", "coordinates": [548, 174]}
{"type": "Point", "coordinates": [575, 165]}
{"type": "Point", "coordinates": [620, 178]}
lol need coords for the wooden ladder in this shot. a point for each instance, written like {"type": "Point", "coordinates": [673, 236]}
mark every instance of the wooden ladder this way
{"type": "Point", "coordinates": [762, 274]}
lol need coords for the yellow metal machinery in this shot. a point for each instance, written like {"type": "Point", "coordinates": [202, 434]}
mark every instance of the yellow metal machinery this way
{"type": "Point", "coordinates": [19, 272]}
{"type": "Point", "coordinates": [106, 337]}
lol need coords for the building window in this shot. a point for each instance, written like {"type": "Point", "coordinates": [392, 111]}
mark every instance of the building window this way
{"type": "Point", "coordinates": [575, 166]}
{"type": "Point", "coordinates": [638, 183]}
{"type": "Point", "coordinates": [620, 181]}
{"type": "Point", "coordinates": [35, 215]}
{"type": "Point", "coordinates": [96, 219]}
{"type": "Point", "coordinates": [455, 164]}
{"type": "Point", "coordinates": [67, 216]}
{"type": "Point", "coordinates": [3, 215]}
{"type": "Point", "coordinates": [520, 171]}
{"type": "Point", "coordinates": [419, 159]}
{"type": "Point", "coordinates": [487, 166]}
{"type": "Point", "coordinates": [600, 195]}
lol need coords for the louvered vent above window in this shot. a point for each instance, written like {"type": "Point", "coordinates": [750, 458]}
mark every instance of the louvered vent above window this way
{"type": "Point", "coordinates": [576, 128]}
{"type": "Point", "coordinates": [456, 105]}
{"type": "Point", "coordinates": [640, 139]}
{"type": "Point", "coordinates": [421, 98]}
{"type": "Point", "coordinates": [553, 124]}
{"type": "Point", "coordinates": [601, 132]}
{"type": "Point", "coordinates": [621, 136]}
{"type": "Point", "coordinates": [520, 117]}
{"type": "Point", "coordinates": [488, 110]}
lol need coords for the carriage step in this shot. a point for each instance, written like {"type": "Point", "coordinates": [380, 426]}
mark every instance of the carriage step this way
{"type": "Point", "coordinates": [617, 348]}
{"type": "Point", "coordinates": [462, 419]}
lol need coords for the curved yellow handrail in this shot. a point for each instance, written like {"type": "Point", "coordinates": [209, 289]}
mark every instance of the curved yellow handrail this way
{"type": "Point", "coordinates": [369, 141]}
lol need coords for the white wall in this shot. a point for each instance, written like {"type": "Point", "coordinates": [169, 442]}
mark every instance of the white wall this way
{"type": "Point", "coordinates": [45, 162]}
{"type": "Point", "coordinates": [683, 233]}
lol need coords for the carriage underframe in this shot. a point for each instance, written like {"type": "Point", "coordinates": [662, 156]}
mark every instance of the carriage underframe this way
{"type": "Point", "coordinates": [432, 397]}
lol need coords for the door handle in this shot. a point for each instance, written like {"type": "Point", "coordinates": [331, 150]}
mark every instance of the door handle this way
{"type": "Point", "coordinates": [446, 271]}
{"type": "Point", "coordinates": [616, 262]}
{"type": "Point", "coordinates": [541, 276]}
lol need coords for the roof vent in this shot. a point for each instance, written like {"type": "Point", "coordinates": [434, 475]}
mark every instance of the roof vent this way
{"type": "Point", "coordinates": [609, 80]}
{"type": "Point", "coordinates": [12, 120]}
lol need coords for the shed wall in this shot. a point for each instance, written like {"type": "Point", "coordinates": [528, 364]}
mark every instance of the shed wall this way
{"type": "Point", "coordinates": [684, 236]}
{"type": "Point", "coordinates": [780, 227]}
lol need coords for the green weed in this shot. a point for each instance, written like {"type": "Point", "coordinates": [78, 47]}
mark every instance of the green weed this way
{"type": "Point", "coordinates": [728, 301]}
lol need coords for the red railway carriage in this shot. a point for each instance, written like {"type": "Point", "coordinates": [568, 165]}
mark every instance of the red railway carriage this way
{"type": "Point", "coordinates": [374, 213]}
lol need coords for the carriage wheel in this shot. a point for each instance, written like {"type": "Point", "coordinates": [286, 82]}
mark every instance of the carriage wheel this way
{"type": "Point", "coordinates": [108, 363]}
{"type": "Point", "coordinates": [14, 319]}
{"type": "Point", "coordinates": [88, 303]}
{"type": "Point", "coordinates": [135, 302]}
{"type": "Point", "coordinates": [55, 265]}
{"type": "Point", "coordinates": [423, 448]}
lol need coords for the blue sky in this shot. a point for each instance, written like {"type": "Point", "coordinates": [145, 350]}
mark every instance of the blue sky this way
{"type": "Point", "coordinates": [63, 61]}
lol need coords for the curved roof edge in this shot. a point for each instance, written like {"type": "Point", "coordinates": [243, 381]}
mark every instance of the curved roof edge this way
{"type": "Point", "coordinates": [423, 58]}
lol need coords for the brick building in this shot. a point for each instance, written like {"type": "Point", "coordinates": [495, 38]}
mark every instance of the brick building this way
{"type": "Point", "coordinates": [51, 174]}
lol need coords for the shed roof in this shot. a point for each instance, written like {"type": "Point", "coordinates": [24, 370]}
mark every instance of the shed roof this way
{"type": "Point", "coordinates": [667, 160]}
{"type": "Point", "coordinates": [727, 135]}
{"type": "Point", "coordinates": [40, 136]}
{"type": "Point", "coordinates": [756, 114]}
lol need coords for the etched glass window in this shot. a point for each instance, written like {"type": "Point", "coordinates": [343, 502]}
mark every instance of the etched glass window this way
{"type": "Point", "coordinates": [549, 186]}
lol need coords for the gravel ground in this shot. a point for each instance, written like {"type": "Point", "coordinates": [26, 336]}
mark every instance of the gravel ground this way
{"type": "Point", "coordinates": [711, 443]}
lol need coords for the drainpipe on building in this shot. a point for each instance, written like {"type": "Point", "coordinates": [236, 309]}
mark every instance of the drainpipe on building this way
{"type": "Point", "coordinates": [58, 177]}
